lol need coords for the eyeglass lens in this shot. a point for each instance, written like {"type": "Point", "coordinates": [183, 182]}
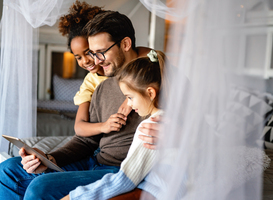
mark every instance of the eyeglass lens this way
{"type": "Point", "coordinates": [100, 55]}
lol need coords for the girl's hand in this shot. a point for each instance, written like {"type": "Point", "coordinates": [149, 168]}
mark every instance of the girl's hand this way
{"type": "Point", "coordinates": [30, 163]}
{"type": "Point", "coordinates": [152, 131]}
{"type": "Point", "coordinates": [124, 108]}
{"type": "Point", "coordinates": [114, 123]}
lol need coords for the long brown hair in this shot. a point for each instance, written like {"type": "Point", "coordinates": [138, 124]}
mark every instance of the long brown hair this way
{"type": "Point", "coordinates": [142, 73]}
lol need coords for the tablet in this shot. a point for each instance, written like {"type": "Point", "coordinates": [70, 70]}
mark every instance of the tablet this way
{"type": "Point", "coordinates": [20, 144]}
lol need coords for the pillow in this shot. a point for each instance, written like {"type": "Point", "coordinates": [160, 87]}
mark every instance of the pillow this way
{"type": "Point", "coordinates": [65, 89]}
{"type": "Point", "coordinates": [244, 115]}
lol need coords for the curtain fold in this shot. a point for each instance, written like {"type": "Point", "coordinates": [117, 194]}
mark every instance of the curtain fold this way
{"type": "Point", "coordinates": [209, 142]}
{"type": "Point", "coordinates": [207, 146]}
{"type": "Point", "coordinates": [19, 62]}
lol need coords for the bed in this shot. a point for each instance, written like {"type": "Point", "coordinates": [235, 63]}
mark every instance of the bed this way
{"type": "Point", "coordinates": [56, 117]}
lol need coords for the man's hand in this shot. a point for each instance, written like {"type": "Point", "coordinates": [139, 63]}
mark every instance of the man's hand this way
{"type": "Point", "coordinates": [31, 163]}
{"type": "Point", "coordinates": [124, 108]}
{"type": "Point", "coordinates": [152, 131]}
{"type": "Point", "coordinates": [114, 123]}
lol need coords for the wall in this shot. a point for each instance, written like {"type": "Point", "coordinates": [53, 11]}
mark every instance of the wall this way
{"type": "Point", "coordinates": [138, 14]}
{"type": "Point", "coordinates": [1, 8]}
{"type": "Point", "coordinates": [52, 40]}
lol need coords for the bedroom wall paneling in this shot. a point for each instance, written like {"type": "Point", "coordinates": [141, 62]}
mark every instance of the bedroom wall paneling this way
{"type": "Point", "coordinates": [253, 62]}
{"type": "Point", "coordinates": [41, 71]}
{"type": "Point", "coordinates": [257, 20]}
{"type": "Point", "coordinates": [48, 71]}
{"type": "Point", "coordinates": [248, 60]}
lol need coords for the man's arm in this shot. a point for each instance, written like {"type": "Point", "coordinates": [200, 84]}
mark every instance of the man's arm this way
{"type": "Point", "coordinates": [76, 149]}
{"type": "Point", "coordinates": [150, 129]}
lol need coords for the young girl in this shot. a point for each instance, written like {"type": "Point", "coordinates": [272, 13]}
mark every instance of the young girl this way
{"type": "Point", "coordinates": [71, 25]}
{"type": "Point", "coordinates": [141, 82]}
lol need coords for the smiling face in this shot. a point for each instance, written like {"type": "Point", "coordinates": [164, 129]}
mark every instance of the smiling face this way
{"type": "Point", "coordinates": [114, 57]}
{"type": "Point", "coordinates": [80, 48]}
{"type": "Point", "coordinates": [142, 105]}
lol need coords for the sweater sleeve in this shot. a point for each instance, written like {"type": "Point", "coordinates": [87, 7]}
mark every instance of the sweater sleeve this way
{"type": "Point", "coordinates": [133, 170]}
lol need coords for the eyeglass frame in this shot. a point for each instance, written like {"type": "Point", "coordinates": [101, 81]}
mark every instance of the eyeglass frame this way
{"type": "Point", "coordinates": [102, 53]}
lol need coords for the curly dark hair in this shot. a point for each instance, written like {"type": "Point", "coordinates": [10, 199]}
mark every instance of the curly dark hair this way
{"type": "Point", "coordinates": [80, 13]}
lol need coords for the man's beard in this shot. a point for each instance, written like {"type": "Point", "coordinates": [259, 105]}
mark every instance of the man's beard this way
{"type": "Point", "coordinates": [120, 60]}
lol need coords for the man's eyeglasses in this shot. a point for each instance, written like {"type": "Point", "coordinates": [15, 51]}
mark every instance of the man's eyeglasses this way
{"type": "Point", "coordinates": [100, 55]}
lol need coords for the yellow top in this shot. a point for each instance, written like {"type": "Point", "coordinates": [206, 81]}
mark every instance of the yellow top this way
{"type": "Point", "coordinates": [90, 82]}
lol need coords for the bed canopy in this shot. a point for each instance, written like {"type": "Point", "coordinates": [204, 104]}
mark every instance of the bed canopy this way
{"type": "Point", "coordinates": [204, 149]}
{"type": "Point", "coordinates": [18, 64]}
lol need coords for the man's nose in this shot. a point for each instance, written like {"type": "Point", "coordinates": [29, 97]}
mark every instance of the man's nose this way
{"type": "Point", "coordinates": [97, 61]}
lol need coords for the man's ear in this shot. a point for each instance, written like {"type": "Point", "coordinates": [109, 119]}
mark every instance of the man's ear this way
{"type": "Point", "coordinates": [151, 93]}
{"type": "Point", "coordinates": [126, 44]}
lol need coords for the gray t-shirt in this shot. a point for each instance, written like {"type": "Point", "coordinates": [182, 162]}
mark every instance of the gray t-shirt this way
{"type": "Point", "coordinates": [114, 146]}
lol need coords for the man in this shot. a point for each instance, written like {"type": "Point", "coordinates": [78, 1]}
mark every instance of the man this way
{"type": "Point", "coordinates": [113, 45]}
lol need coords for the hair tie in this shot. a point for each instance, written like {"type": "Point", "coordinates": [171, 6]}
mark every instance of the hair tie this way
{"type": "Point", "coordinates": [153, 56]}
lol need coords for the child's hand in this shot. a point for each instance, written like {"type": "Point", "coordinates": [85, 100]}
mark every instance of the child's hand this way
{"type": "Point", "coordinates": [114, 123]}
{"type": "Point", "coordinates": [124, 108]}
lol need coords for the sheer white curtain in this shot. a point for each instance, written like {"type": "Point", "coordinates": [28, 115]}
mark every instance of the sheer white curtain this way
{"type": "Point", "coordinates": [204, 151]}
{"type": "Point", "coordinates": [18, 62]}
{"type": "Point", "coordinates": [208, 143]}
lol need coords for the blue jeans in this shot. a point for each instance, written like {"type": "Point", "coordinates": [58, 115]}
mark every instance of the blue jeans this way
{"type": "Point", "coordinates": [16, 183]}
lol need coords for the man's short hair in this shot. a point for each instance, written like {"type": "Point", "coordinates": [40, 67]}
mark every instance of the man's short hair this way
{"type": "Point", "coordinates": [117, 25]}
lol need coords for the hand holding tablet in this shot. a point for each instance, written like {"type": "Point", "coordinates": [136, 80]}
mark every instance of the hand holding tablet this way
{"type": "Point", "coordinates": [31, 163]}
{"type": "Point", "coordinates": [30, 151]}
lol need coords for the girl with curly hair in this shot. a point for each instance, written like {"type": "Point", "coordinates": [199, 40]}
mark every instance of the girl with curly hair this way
{"type": "Point", "coordinates": [71, 25]}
